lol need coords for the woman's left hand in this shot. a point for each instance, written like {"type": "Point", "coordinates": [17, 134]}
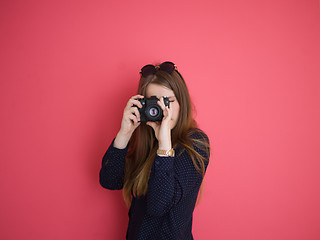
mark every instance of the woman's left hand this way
{"type": "Point", "coordinates": [163, 130]}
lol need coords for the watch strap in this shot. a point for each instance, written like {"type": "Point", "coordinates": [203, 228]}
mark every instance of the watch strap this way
{"type": "Point", "coordinates": [166, 153]}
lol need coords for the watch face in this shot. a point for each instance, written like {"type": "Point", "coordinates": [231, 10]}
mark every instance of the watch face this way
{"type": "Point", "coordinates": [171, 153]}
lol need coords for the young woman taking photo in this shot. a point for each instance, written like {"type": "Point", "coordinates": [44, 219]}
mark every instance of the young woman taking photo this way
{"type": "Point", "coordinates": [158, 158]}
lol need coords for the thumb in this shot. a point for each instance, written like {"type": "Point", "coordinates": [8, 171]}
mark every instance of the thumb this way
{"type": "Point", "coordinates": [152, 124]}
{"type": "Point", "coordinates": [137, 124]}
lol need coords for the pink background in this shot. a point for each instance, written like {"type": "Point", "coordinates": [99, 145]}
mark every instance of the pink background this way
{"type": "Point", "coordinates": [69, 67]}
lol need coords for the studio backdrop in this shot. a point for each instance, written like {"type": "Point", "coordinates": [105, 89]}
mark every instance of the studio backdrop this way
{"type": "Point", "coordinates": [69, 67]}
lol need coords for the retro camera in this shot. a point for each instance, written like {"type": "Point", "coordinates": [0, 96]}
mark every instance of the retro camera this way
{"type": "Point", "coordinates": [151, 111]}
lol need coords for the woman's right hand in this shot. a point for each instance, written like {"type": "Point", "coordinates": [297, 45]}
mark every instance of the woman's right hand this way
{"type": "Point", "coordinates": [131, 116]}
{"type": "Point", "coordinates": [130, 121]}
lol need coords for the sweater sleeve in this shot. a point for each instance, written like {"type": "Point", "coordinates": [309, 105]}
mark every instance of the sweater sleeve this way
{"type": "Point", "coordinates": [112, 168]}
{"type": "Point", "coordinates": [167, 187]}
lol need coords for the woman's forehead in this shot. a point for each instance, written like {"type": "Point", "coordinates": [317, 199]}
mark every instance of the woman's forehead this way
{"type": "Point", "coordinates": [158, 91]}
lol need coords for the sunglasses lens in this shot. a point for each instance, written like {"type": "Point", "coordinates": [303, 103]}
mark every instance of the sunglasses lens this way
{"type": "Point", "coordinates": [151, 69]}
{"type": "Point", "coordinates": [148, 70]}
{"type": "Point", "coordinates": [167, 66]}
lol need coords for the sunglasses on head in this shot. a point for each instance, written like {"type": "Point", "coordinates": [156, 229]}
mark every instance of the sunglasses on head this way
{"type": "Point", "coordinates": [150, 69]}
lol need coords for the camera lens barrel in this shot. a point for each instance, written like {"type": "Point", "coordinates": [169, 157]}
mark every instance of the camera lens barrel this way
{"type": "Point", "coordinates": [151, 111]}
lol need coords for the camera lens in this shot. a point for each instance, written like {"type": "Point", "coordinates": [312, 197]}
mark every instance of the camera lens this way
{"type": "Point", "coordinates": [153, 112]}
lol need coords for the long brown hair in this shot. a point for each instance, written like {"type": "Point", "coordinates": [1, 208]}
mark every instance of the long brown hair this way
{"type": "Point", "coordinates": [143, 144]}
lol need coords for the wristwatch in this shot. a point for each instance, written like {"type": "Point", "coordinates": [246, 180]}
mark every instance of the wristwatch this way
{"type": "Point", "coordinates": [166, 153]}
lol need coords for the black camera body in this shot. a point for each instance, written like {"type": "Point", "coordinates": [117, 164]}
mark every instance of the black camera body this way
{"type": "Point", "coordinates": [151, 111]}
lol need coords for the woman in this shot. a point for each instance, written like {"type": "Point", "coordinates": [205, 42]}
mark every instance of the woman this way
{"type": "Point", "coordinates": [159, 165]}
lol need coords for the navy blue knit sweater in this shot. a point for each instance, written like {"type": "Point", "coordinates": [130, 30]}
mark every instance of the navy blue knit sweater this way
{"type": "Point", "coordinates": [167, 209]}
